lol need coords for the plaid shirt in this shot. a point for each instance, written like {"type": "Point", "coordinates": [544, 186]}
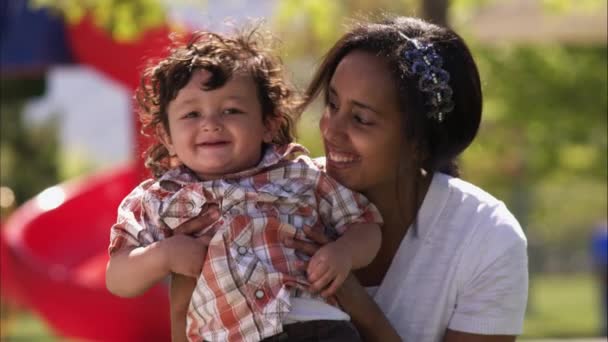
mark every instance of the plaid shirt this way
{"type": "Point", "coordinates": [244, 290]}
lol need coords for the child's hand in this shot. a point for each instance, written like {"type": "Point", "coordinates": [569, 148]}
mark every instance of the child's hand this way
{"type": "Point", "coordinates": [328, 268]}
{"type": "Point", "coordinates": [185, 255]}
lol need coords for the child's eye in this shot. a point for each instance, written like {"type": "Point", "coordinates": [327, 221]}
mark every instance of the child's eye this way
{"type": "Point", "coordinates": [191, 115]}
{"type": "Point", "coordinates": [229, 111]}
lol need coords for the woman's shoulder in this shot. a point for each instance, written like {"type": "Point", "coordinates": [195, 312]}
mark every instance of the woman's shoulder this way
{"type": "Point", "coordinates": [465, 191]}
{"type": "Point", "coordinates": [471, 207]}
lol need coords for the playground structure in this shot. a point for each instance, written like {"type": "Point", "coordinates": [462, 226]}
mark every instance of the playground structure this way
{"type": "Point", "coordinates": [53, 249]}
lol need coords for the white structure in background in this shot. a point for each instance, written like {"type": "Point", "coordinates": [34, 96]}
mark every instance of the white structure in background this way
{"type": "Point", "coordinates": [212, 14]}
{"type": "Point", "coordinates": [95, 112]}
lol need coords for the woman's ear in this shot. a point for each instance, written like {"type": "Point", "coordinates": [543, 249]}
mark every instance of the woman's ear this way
{"type": "Point", "coordinates": [165, 139]}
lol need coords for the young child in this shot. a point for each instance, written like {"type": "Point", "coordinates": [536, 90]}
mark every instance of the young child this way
{"type": "Point", "coordinates": [223, 117]}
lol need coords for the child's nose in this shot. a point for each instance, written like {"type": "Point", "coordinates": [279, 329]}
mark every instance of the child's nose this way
{"type": "Point", "coordinates": [212, 124]}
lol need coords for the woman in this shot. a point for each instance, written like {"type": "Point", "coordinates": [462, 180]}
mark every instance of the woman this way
{"type": "Point", "coordinates": [402, 101]}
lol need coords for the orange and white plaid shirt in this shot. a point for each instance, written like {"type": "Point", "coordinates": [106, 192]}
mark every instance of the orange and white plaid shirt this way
{"type": "Point", "coordinates": [248, 277]}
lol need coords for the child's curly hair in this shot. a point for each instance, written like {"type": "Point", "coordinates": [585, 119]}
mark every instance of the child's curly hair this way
{"type": "Point", "coordinates": [222, 55]}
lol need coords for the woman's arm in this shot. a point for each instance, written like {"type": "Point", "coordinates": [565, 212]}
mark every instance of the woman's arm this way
{"type": "Point", "coordinates": [354, 299]}
{"type": "Point", "coordinates": [364, 312]}
{"type": "Point", "coordinates": [183, 286]}
{"type": "Point", "coordinates": [459, 336]}
{"type": "Point", "coordinates": [332, 263]}
{"type": "Point", "coordinates": [181, 293]}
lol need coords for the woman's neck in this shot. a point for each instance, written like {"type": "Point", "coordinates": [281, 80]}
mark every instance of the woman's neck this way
{"type": "Point", "coordinates": [399, 207]}
{"type": "Point", "coordinates": [398, 210]}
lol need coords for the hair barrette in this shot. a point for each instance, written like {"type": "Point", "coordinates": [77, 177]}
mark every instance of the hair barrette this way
{"type": "Point", "coordinates": [426, 64]}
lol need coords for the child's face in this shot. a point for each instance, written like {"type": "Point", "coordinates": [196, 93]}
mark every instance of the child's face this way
{"type": "Point", "coordinates": [219, 131]}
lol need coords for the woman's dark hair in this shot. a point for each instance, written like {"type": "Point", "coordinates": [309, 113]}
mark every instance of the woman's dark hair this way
{"type": "Point", "coordinates": [247, 51]}
{"type": "Point", "coordinates": [437, 144]}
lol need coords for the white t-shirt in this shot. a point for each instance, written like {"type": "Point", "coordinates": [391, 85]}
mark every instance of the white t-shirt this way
{"type": "Point", "coordinates": [464, 267]}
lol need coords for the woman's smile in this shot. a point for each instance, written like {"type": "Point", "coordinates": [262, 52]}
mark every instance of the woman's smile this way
{"type": "Point", "coordinates": [341, 159]}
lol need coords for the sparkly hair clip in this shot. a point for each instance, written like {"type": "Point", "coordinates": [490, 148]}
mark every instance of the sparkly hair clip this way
{"type": "Point", "coordinates": [425, 63]}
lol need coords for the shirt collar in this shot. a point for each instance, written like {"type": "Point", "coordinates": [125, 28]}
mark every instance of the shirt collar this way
{"type": "Point", "coordinates": [273, 155]}
{"type": "Point", "coordinates": [433, 204]}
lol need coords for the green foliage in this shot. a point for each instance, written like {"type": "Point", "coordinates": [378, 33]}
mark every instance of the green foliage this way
{"type": "Point", "coordinates": [27, 326]}
{"type": "Point", "coordinates": [310, 27]}
{"type": "Point", "coordinates": [543, 138]}
{"type": "Point", "coordinates": [579, 6]}
{"type": "Point", "coordinates": [28, 155]}
{"type": "Point", "coordinates": [124, 19]}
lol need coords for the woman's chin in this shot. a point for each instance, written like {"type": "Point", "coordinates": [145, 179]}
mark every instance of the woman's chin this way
{"type": "Point", "coordinates": [345, 176]}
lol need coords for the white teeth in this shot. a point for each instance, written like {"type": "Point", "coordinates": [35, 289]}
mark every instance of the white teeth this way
{"type": "Point", "coordinates": [341, 158]}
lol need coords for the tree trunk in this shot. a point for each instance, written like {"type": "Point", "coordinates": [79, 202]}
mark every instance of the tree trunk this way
{"type": "Point", "coordinates": [436, 11]}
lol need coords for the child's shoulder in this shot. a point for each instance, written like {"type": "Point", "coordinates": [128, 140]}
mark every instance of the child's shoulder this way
{"type": "Point", "coordinates": [319, 163]}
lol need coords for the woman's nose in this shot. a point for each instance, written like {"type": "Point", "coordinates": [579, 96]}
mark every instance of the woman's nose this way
{"type": "Point", "coordinates": [332, 126]}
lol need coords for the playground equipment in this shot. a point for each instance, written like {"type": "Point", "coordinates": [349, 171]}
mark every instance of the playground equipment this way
{"type": "Point", "coordinates": [53, 249]}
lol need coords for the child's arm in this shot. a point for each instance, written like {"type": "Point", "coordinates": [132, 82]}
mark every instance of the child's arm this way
{"type": "Point", "coordinates": [181, 293]}
{"type": "Point", "coordinates": [132, 271]}
{"type": "Point", "coordinates": [331, 264]}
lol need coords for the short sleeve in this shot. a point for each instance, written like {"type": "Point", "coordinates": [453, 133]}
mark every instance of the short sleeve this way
{"type": "Point", "coordinates": [133, 227]}
{"type": "Point", "coordinates": [340, 207]}
{"type": "Point", "coordinates": [493, 290]}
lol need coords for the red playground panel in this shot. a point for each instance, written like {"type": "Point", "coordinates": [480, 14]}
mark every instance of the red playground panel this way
{"type": "Point", "coordinates": [53, 249]}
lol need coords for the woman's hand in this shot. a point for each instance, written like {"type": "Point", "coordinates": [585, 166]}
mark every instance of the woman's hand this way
{"type": "Point", "coordinates": [185, 255]}
{"type": "Point", "coordinates": [210, 214]}
{"type": "Point", "coordinates": [307, 247]}
{"type": "Point", "coordinates": [186, 250]}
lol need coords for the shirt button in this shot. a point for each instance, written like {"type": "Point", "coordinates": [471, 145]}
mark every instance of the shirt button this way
{"type": "Point", "coordinates": [242, 250]}
{"type": "Point", "coordinates": [259, 294]}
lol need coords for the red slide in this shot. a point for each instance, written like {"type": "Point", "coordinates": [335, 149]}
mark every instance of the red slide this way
{"type": "Point", "coordinates": [53, 261]}
{"type": "Point", "coordinates": [53, 249]}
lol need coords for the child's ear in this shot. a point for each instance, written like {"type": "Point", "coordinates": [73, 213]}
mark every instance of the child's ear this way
{"type": "Point", "coordinates": [165, 139]}
{"type": "Point", "coordinates": [272, 127]}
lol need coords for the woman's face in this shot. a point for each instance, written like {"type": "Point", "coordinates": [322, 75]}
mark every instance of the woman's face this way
{"type": "Point", "coordinates": [361, 124]}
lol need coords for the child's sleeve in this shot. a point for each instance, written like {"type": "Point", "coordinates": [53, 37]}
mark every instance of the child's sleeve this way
{"type": "Point", "coordinates": [340, 207]}
{"type": "Point", "coordinates": [134, 227]}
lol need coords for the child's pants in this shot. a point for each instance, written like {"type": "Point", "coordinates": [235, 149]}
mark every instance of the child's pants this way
{"type": "Point", "coordinates": [321, 331]}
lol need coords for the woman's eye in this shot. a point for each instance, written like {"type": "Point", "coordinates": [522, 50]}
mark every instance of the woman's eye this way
{"type": "Point", "coordinates": [362, 120]}
{"type": "Point", "coordinates": [232, 111]}
{"type": "Point", "coordinates": [332, 106]}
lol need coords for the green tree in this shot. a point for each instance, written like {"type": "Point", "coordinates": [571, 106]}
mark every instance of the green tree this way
{"type": "Point", "coordinates": [28, 155]}
{"type": "Point", "coordinates": [124, 19]}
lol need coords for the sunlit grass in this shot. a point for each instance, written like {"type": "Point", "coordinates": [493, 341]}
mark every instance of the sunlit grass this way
{"type": "Point", "coordinates": [563, 306]}
{"type": "Point", "coordinates": [17, 325]}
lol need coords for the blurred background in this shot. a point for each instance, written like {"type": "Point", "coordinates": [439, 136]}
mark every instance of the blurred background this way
{"type": "Point", "coordinates": [68, 70]}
